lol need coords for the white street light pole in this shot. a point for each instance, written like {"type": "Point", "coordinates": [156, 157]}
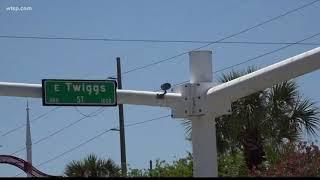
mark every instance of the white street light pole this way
{"type": "Point", "coordinates": [203, 125]}
{"type": "Point", "coordinates": [201, 100]}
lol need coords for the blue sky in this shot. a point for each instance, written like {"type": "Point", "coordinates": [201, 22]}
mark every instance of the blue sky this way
{"type": "Point", "coordinates": [30, 60]}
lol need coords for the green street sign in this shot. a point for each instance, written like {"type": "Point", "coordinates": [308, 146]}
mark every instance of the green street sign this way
{"type": "Point", "coordinates": [61, 92]}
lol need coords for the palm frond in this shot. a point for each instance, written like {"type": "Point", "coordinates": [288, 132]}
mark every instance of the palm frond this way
{"type": "Point", "coordinates": [92, 166]}
{"type": "Point", "coordinates": [225, 77]}
{"type": "Point", "coordinates": [307, 115]}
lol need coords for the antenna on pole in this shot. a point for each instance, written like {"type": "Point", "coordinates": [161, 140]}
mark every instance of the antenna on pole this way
{"type": "Point", "coordinates": [28, 143]}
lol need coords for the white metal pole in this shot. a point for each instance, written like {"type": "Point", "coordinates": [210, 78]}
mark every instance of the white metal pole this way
{"type": "Point", "coordinates": [203, 127]}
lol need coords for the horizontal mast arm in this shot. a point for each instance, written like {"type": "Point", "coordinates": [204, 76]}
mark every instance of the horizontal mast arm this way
{"type": "Point", "coordinates": [20, 89]}
{"type": "Point", "coordinates": [123, 96]}
{"type": "Point", "coordinates": [265, 77]}
{"type": "Point", "coordinates": [147, 98]}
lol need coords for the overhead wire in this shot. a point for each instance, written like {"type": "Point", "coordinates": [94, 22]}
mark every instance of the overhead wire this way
{"type": "Point", "coordinates": [88, 115]}
{"type": "Point", "coordinates": [254, 58]}
{"type": "Point", "coordinates": [93, 138]}
{"type": "Point", "coordinates": [222, 39]}
{"type": "Point", "coordinates": [152, 40]}
{"type": "Point", "coordinates": [175, 56]}
{"type": "Point", "coordinates": [33, 120]}
{"type": "Point", "coordinates": [60, 130]}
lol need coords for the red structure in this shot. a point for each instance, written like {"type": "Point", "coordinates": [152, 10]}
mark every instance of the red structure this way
{"type": "Point", "coordinates": [23, 165]}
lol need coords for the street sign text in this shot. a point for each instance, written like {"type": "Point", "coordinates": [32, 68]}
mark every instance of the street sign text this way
{"type": "Point", "coordinates": [56, 92]}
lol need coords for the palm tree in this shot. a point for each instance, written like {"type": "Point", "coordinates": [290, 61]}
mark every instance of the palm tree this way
{"type": "Point", "coordinates": [263, 120]}
{"type": "Point", "coordinates": [91, 166]}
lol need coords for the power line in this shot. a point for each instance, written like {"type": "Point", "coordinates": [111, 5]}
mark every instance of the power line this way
{"type": "Point", "coordinates": [93, 138]}
{"type": "Point", "coordinates": [183, 53]}
{"type": "Point", "coordinates": [270, 52]}
{"type": "Point", "coordinates": [61, 129]}
{"type": "Point", "coordinates": [74, 148]}
{"type": "Point", "coordinates": [23, 125]}
{"type": "Point", "coordinates": [39, 117]}
{"type": "Point", "coordinates": [267, 43]}
{"type": "Point", "coordinates": [100, 134]}
{"type": "Point", "coordinates": [222, 39]}
{"type": "Point", "coordinates": [87, 115]}
{"type": "Point", "coordinates": [142, 122]}
{"type": "Point", "coordinates": [43, 115]}
{"type": "Point", "coordinates": [150, 40]}
{"type": "Point", "coordinates": [255, 58]}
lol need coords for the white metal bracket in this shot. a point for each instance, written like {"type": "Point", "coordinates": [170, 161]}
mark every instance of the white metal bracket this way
{"type": "Point", "coordinates": [193, 102]}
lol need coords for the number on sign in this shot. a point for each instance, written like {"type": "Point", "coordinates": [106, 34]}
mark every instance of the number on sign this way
{"type": "Point", "coordinates": [105, 100]}
{"type": "Point", "coordinates": [80, 99]}
{"type": "Point", "coordinates": [54, 100]}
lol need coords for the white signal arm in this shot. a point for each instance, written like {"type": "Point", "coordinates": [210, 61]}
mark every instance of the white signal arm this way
{"type": "Point", "coordinates": [264, 78]}
{"type": "Point", "coordinates": [20, 90]}
{"type": "Point", "coordinates": [148, 98]}
{"type": "Point", "coordinates": [123, 96]}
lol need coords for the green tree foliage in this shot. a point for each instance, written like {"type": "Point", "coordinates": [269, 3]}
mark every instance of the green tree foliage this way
{"type": "Point", "coordinates": [296, 159]}
{"type": "Point", "coordinates": [179, 168]}
{"type": "Point", "coordinates": [232, 165]}
{"type": "Point", "coordinates": [91, 166]}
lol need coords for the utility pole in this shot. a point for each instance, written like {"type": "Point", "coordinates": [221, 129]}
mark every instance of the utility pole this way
{"type": "Point", "coordinates": [28, 143]}
{"type": "Point", "coordinates": [121, 123]}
